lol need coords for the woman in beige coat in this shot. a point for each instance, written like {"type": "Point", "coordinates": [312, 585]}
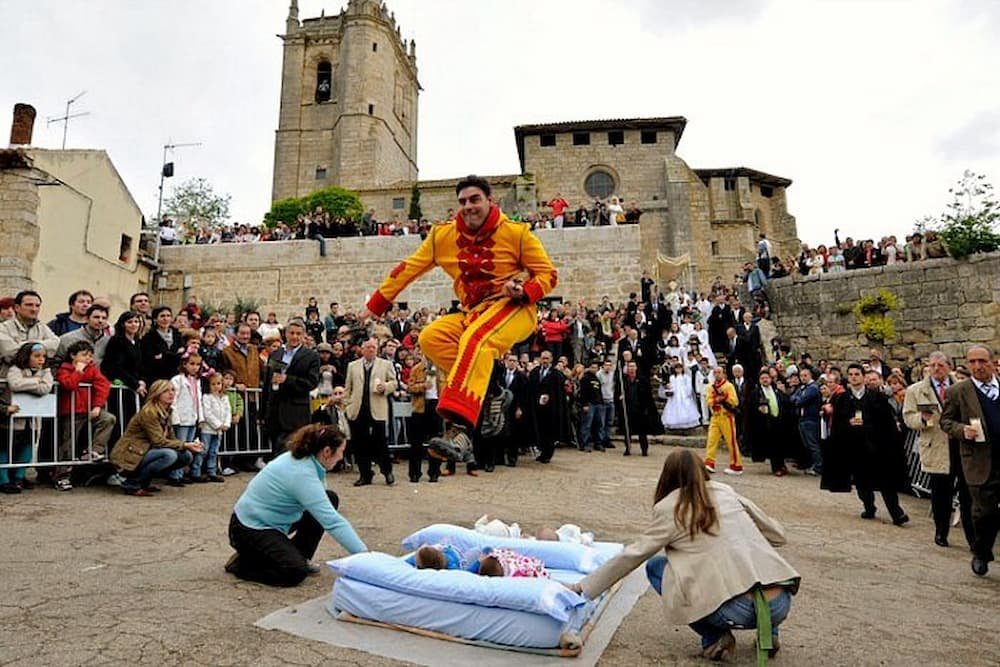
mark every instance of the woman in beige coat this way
{"type": "Point", "coordinates": [719, 571]}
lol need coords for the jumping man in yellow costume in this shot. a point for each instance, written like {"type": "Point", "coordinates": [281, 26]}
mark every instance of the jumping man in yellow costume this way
{"type": "Point", "coordinates": [722, 401]}
{"type": "Point", "coordinates": [500, 270]}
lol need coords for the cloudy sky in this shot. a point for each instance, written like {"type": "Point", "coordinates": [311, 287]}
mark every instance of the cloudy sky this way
{"type": "Point", "coordinates": [873, 108]}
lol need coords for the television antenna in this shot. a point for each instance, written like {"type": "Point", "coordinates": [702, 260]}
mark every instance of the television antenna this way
{"type": "Point", "coordinates": [67, 116]}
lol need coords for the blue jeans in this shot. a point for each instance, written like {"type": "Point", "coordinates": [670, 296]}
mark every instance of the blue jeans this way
{"type": "Point", "coordinates": [186, 434]}
{"type": "Point", "coordinates": [156, 461]}
{"type": "Point", "coordinates": [737, 613]}
{"type": "Point", "coordinates": [593, 413]}
{"type": "Point", "coordinates": [809, 432]}
{"type": "Point", "coordinates": [22, 454]}
{"type": "Point", "coordinates": [210, 441]}
{"type": "Point", "coordinates": [607, 419]}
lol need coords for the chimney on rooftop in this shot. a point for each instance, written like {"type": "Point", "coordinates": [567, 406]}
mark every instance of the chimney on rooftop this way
{"type": "Point", "coordinates": [23, 125]}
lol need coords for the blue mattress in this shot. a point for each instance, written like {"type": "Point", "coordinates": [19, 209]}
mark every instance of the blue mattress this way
{"type": "Point", "coordinates": [469, 621]}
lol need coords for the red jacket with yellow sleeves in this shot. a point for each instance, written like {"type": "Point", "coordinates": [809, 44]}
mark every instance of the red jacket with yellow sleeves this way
{"type": "Point", "coordinates": [479, 263]}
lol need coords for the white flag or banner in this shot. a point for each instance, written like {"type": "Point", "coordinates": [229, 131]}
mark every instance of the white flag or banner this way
{"type": "Point", "coordinates": [33, 405]}
{"type": "Point", "coordinates": [672, 268]}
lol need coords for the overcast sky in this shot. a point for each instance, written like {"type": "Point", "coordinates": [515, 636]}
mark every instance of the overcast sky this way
{"type": "Point", "coordinates": [873, 109]}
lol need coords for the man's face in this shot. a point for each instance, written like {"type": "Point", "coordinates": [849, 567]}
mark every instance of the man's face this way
{"type": "Point", "coordinates": [369, 349]}
{"type": "Point", "coordinates": [338, 394]}
{"type": "Point", "coordinates": [874, 356]}
{"type": "Point", "coordinates": [81, 304]}
{"type": "Point", "coordinates": [546, 358]}
{"type": "Point", "coordinates": [294, 335]}
{"type": "Point", "coordinates": [607, 366]}
{"type": "Point", "coordinates": [805, 377]}
{"type": "Point", "coordinates": [243, 335]}
{"type": "Point", "coordinates": [97, 320]}
{"type": "Point", "coordinates": [873, 380]}
{"type": "Point", "coordinates": [474, 205]}
{"type": "Point", "coordinates": [833, 377]}
{"type": "Point", "coordinates": [631, 368]}
{"type": "Point", "coordinates": [939, 369]}
{"type": "Point", "coordinates": [390, 349]}
{"type": "Point", "coordinates": [737, 371]}
{"type": "Point", "coordinates": [510, 362]}
{"type": "Point", "coordinates": [29, 308]}
{"type": "Point", "coordinates": [253, 319]}
{"type": "Point", "coordinates": [979, 362]}
{"type": "Point", "coordinates": [141, 304]}
{"type": "Point", "coordinates": [764, 379]}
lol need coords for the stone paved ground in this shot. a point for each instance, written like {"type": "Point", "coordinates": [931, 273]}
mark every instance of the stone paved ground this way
{"type": "Point", "coordinates": [91, 577]}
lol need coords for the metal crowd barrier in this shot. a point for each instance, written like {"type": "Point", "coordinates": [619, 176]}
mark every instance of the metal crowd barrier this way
{"type": "Point", "coordinates": [920, 481]}
{"type": "Point", "coordinates": [246, 436]}
{"type": "Point", "coordinates": [400, 412]}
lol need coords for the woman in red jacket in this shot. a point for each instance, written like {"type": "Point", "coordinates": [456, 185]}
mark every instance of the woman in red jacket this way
{"type": "Point", "coordinates": [554, 332]}
{"type": "Point", "coordinates": [78, 405]}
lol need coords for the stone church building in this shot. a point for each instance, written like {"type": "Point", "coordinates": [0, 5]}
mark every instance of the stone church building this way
{"type": "Point", "coordinates": [348, 117]}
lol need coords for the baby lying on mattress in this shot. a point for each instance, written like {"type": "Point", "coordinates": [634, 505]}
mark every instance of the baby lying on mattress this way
{"type": "Point", "coordinates": [486, 562]}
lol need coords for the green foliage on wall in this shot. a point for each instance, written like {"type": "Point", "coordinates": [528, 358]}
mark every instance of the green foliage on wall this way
{"type": "Point", "coordinates": [874, 320]}
{"type": "Point", "coordinates": [336, 202]}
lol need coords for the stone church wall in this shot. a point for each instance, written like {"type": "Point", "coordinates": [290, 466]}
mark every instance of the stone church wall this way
{"type": "Point", "coordinates": [282, 276]}
{"type": "Point", "coordinates": [945, 304]}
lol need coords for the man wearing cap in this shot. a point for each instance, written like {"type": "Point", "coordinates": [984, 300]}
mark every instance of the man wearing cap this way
{"type": "Point", "coordinates": [500, 271]}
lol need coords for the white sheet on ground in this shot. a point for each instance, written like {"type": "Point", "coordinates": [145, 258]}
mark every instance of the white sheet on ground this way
{"type": "Point", "coordinates": [311, 620]}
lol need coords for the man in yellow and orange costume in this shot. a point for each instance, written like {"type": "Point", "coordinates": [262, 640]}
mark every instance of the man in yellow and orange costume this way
{"type": "Point", "coordinates": [500, 270]}
{"type": "Point", "coordinates": [722, 401]}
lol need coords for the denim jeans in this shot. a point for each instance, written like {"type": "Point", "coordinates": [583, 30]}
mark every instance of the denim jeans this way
{"type": "Point", "coordinates": [186, 434]}
{"type": "Point", "coordinates": [156, 461]}
{"type": "Point", "coordinates": [737, 613]}
{"type": "Point", "coordinates": [22, 454]}
{"type": "Point", "coordinates": [593, 413]}
{"type": "Point", "coordinates": [608, 418]}
{"type": "Point", "coordinates": [809, 432]}
{"type": "Point", "coordinates": [208, 456]}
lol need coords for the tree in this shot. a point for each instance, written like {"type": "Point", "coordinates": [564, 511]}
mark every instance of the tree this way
{"type": "Point", "coordinates": [415, 212]}
{"type": "Point", "coordinates": [196, 201]}
{"type": "Point", "coordinates": [284, 210]}
{"type": "Point", "coordinates": [336, 202]}
{"type": "Point", "coordinates": [970, 224]}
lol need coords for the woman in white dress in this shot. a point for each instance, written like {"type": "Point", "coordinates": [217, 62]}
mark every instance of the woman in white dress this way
{"type": "Point", "coordinates": [681, 411]}
{"type": "Point", "coordinates": [614, 209]}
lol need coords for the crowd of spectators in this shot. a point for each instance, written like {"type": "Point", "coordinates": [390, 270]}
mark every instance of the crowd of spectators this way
{"type": "Point", "coordinates": [319, 224]}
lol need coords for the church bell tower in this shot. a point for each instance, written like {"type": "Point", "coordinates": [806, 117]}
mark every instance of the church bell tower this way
{"type": "Point", "coordinates": [348, 114]}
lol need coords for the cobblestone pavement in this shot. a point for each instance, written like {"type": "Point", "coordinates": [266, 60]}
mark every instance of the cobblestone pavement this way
{"type": "Point", "coordinates": [92, 577]}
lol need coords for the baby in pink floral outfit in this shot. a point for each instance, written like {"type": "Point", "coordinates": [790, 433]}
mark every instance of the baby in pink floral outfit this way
{"type": "Point", "coordinates": [503, 562]}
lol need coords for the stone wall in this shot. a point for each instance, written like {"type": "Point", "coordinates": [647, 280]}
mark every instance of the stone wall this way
{"type": "Point", "coordinates": [281, 276]}
{"type": "Point", "coordinates": [18, 228]}
{"type": "Point", "coordinates": [945, 304]}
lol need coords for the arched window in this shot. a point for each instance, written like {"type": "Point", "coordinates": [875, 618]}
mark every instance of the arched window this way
{"type": "Point", "coordinates": [324, 81]}
{"type": "Point", "coordinates": [599, 184]}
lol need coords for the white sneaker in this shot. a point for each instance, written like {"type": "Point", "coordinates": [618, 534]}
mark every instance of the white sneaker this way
{"type": "Point", "coordinates": [710, 469]}
{"type": "Point", "coordinates": [730, 471]}
{"type": "Point", "coordinates": [228, 472]}
{"type": "Point", "coordinates": [114, 479]}
{"type": "Point", "coordinates": [259, 463]}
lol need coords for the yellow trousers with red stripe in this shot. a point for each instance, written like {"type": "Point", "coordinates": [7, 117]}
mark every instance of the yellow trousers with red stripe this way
{"type": "Point", "coordinates": [466, 345]}
{"type": "Point", "coordinates": [722, 426]}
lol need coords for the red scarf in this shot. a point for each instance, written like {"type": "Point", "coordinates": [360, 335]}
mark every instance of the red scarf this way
{"type": "Point", "coordinates": [492, 220]}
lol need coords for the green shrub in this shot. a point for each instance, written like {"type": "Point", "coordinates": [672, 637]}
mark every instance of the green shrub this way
{"type": "Point", "coordinates": [873, 316]}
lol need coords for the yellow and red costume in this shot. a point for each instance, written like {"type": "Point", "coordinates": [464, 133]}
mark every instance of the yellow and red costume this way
{"type": "Point", "coordinates": [722, 423]}
{"type": "Point", "coordinates": [465, 345]}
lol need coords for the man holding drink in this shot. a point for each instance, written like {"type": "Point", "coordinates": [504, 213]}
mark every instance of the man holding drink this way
{"type": "Point", "coordinates": [972, 416]}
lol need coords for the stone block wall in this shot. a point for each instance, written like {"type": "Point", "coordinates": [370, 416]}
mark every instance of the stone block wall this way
{"type": "Point", "coordinates": [19, 231]}
{"type": "Point", "coordinates": [281, 276]}
{"type": "Point", "coordinates": [945, 304]}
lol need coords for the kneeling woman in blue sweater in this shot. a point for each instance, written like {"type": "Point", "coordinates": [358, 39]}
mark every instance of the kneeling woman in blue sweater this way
{"type": "Point", "coordinates": [280, 518]}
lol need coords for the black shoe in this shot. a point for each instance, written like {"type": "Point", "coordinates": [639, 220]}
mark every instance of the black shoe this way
{"type": "Point", "coordinates": [868, 514]}
{"type": "Point", "coordinates": [415, 479]}
{"type": "Point", "coordinates": [175, 482]}
{"type": "Point", "coordinates": [432, 480]}
{"type": "Point", "coordinates": [901, 520]}
{"type": "Point", "coordinates": [980, 566]}
{"type": "Point", "coordinates": [609, 446]}
{"type": "Point", "coordinates": [626, 453]}
{"type": "Point", "coordinates": [488, 467]}
{"type": "Point", "coordinates": [542, 459]}
{"type": "Point", "coordinates": [233, 564]}
{"type": "Point", "coordinates": [511, 463]}
{"type": "Point", "coordinates": [10, 489]}
{"type": "Point", "coordinates": [940, 540]}
{"type": "Point", "coordinates": [186, 480]}
{"type": "Point", "coordinates": [645, 452]}
{"type": "Point", "coordinates": [362, 482]}
{"type": "Point", "coordinates": [598, 448]}
{"type": "Point", "coordinates": [390, 479]}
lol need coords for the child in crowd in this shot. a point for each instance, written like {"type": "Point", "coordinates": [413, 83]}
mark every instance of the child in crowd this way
{"type": "Point", "coordinates": [187, 413]}
{"type": "Point", "coordinates": [236, 409]}
{"type": "Point", "coordinates": [216, 420]}
{"type": "Point", "coordinates": [209, 349]}
{"type": "Point", "coordinates": [79, 405]}
{"type": "Point", "coordinates": [28, 375]}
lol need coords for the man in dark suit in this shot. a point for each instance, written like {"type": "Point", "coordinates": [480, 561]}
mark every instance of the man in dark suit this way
{"type": "Point", "coordinates": [750, 333]}
{"type": "Point", "coordinates": [515, 381]}
{"type": "Point", "coordinates": [399, 326]}
{"type": "Point", "coordinates": [720, 319]}
{"type": "Point", "coordinates": [972, 416]}
{"type": "Point", "coordinates": [658, 316]}
{"type": "Point", "coordinates": [866, 448]}
{"type": "Point", "coordinates": [736, 351]}
{"type": "Point", "coordinates": [630, 343]}
{"type": "Point", "coordinates": [545, 387]}
{"type": "Point", "coordinates": [292, 372]}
